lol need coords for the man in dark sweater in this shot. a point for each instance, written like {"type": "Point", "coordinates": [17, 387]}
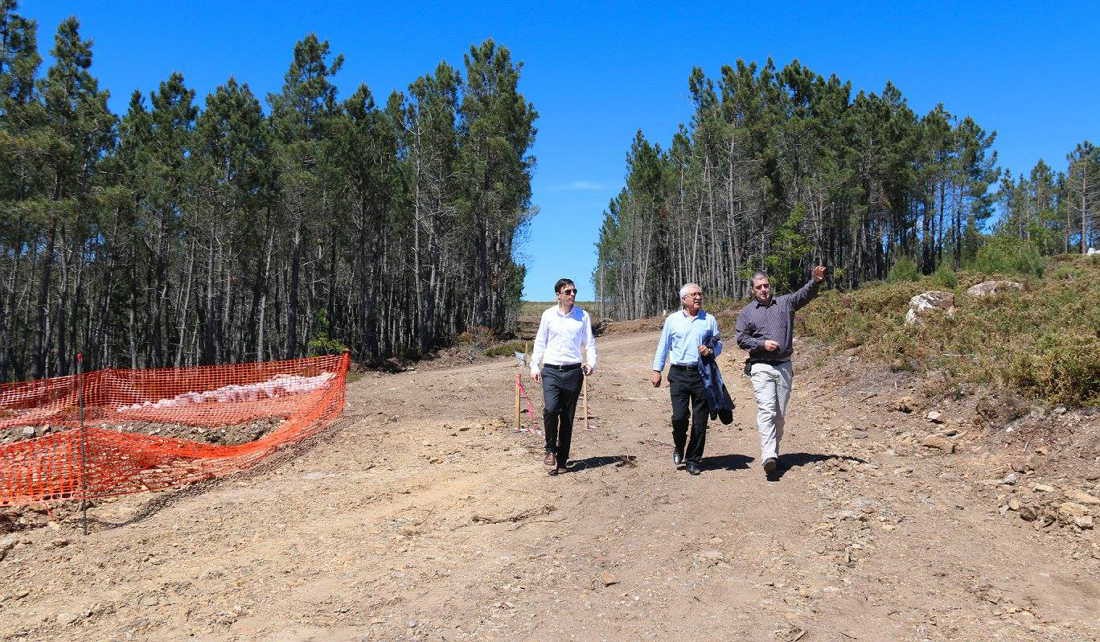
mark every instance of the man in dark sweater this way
{"type": "Point", "coordinates": [765, 328]}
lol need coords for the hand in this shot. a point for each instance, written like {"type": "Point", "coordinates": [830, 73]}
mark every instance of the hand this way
{"type": "Point", "coordinates": [819, 274]}
{"type": "Point", "coordinates": [537, 376]}
{"type": "Point", "coordinates": [655, 379]}
{"type": "Point", "coordinates": [586, 370]}
{"type": "Point", "coordinates": [770, 346]}
{"type": "Point", "coordinates": [704, 351]}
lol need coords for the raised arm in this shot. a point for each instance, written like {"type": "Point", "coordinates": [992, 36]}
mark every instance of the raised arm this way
{"type": "Point", "coordinates": [807, 292]}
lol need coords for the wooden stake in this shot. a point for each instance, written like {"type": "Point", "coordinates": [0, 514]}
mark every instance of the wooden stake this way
{"type": "Point", "coordinates": [83, 442]}
{"type": "Point", "coordinates": [584, 394]}
{"type": "Point", "coordinates": [518, 425]}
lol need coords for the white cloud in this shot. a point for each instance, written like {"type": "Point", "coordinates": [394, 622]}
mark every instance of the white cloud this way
{"type": "Point", "coordinates": [580, 186]}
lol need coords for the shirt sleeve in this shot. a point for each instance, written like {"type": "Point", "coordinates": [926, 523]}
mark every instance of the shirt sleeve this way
{"type": "Point", "coordinates": [540, 344]}
{"type": "Point", "coordinates": [804, 295]}
{"type": "Point", "coordinates": [589, 342]}
{"type": "Point", "coordinates": [662, 348]}
{"type": "Point", "coordinates": [745, 340]}
{"type": "Point", "coordinates": [717, 343]}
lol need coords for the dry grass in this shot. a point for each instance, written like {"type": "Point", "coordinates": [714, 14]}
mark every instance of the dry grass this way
{"type": "Point", "coordinates": [1043, 342]}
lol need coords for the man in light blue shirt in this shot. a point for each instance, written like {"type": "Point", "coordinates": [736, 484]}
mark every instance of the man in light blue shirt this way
{"type": "Point", "coordinates": [683, 341]}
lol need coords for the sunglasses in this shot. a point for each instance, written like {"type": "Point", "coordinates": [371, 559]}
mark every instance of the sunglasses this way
{"type": "Point", "coordinates": [569, 291]}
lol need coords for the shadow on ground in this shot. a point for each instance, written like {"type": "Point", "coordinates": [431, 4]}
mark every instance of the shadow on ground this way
{"type": "Point", "coordinates": [577, 465]}
{"type": "Point", "coordinates": [791, 460]}
{"type": "Point", "coordinates": [732, 461]}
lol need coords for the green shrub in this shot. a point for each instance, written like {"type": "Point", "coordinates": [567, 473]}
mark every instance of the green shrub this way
{"type": "Point", "coordinates": [1009, 255]}
{"type": "Point", "coordinates": [904, 269]}
{"type": "Point", "coordinates": [945, 277]}
{"type": "Point", "coordinates": [506, 349]}
{"type": "Point", "coordinates": [324, 344]}
{"type": "Point", "coordinates": [479, 337]}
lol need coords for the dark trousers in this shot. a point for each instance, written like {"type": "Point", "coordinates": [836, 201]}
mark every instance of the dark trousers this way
{"type": "Point", "coordinates": [560, 391]}
{"type": "Point", "coordinates": [689, 403]}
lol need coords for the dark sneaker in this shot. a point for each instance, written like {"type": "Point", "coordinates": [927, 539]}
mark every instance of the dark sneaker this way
{"type": "Point", "coordinates": [771, 469]}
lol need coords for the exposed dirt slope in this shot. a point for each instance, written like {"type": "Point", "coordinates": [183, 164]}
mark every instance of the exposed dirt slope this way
{"type": "Point", "coordinates": [424, 516]}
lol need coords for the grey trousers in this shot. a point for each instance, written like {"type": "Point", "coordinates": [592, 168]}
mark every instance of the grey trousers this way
{"type": "Point", "coordinates": [771, 385]}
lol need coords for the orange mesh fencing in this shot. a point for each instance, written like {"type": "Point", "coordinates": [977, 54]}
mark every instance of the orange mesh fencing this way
{"type": "Point", "coordinates": [121, 406]}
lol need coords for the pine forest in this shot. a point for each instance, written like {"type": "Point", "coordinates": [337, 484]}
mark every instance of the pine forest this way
{"type": "Point", "coordinates": [783, 169]}
{"type": "Point", "coordinates": [174, 236]}
{"type": "Point", "coordinates": [238, 227]}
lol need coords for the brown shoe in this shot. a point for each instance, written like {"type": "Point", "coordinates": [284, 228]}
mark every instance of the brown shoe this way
{"type": "Point", "coordinates": [550, 459]}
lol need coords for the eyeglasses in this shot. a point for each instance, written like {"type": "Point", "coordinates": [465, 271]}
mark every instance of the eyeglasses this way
{"type": "Point", "coordinates": [569, 291]}
{"type": "Point", "coordinates": [692, 294]}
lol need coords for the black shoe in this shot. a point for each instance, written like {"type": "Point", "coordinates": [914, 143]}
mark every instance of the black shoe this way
{"type": "Point", "coordinates": [771, 469]}
{"type": "Point", "coordinates": [693, 468]}
{"type": "Point", "coordinates": [726, 416]}
{"type": "Point", "coordinates": [677, 457]}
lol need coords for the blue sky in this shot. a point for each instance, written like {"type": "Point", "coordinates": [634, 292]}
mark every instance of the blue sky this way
{"type": "Point", "coordinates": [598, 72]}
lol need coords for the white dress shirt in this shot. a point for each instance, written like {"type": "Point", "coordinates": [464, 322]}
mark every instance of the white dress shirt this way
{"type": "Point", "coordinates": [560, 338]}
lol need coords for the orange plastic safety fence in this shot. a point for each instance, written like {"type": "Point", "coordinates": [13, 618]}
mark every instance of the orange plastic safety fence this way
{"type": "Point", "coordinates": [121, 406]}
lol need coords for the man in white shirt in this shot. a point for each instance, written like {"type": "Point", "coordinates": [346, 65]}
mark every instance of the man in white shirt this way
{"type": "Point", "coordinates": [563, 331]}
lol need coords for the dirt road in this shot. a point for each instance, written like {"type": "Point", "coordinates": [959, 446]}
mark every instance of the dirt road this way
{"type": "Point", "coordinates": [424, 516]}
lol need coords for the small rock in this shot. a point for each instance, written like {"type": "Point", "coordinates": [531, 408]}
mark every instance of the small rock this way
{"type": "Point", "coordinates": [1083, 522]}
{"type": "Point", "coordinates": [939, 443]}
{"type": "Point", "coordinates": [7, 544]}
{"type": "Point", "coordinates": [1071, 510]}
{"type": "Point", "coordinates": [935, 416]}
{"type": "Point", "coordinates": [1011, 479]}
{"type": "Point", "coordinates": [925, 303]}
{"type": "Point", "coordinates": [905, 404]}
{"type": "Point", "coordinates": [711, 556]}
{"type": "Point", "coordinates": [1013, 504]}
{"type": "Point", "coordinates": [988, 288]}
{"type": "Point", "coordinates": [1042, 488]}
{"type": "Point", "coordinates": [29, 431]}
{"type": "Point", "coordinates": [607, 578]}
{"type": "Point", "coordinates": [67, 618]}
{"type": "Point", "coordinates": [1028, 514]}
{"type": "Point", "coordinates": [1081, 497]}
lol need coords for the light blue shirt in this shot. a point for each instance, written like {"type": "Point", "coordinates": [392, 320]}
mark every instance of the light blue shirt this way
{"type": "Point", "coordinates": [681, 337]}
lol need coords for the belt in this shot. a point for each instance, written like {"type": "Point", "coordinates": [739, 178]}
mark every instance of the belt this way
{"type": "Point", "coordinates": [690, 366]}
{"type": "Point", "coordinates": [568, 366]}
